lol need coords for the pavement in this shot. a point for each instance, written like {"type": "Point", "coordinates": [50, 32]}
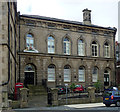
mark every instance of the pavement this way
{"type": "Point", "coordinates": [65, 107]}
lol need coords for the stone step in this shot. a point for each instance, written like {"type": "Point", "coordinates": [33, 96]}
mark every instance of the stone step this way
{"type": "Point", "coordinates": [37, 90]}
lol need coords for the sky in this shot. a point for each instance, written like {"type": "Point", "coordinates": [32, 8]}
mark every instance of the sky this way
{"type": "Point", "coordinates": [104, 12]}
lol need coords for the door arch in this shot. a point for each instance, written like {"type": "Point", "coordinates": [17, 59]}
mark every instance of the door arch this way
{"type": "Point", "coordinates": [29, 72]}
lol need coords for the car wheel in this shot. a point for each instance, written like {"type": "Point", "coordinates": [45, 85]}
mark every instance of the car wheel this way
{"type": "Point", "coordinates": [107, 105]}
{"type": "Point", "coordinates": [118, 103]}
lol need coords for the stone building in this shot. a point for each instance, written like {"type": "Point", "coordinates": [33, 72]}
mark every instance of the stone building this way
{"type": "Point", "coordinates": [64, 52]}
{"type": "Point", "coordinates": [53, 50]}
{"type": "Point", "coordinates": [8, 49]}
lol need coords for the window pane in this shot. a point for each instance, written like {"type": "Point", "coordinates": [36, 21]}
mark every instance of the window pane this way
{"type": "Point", "coordinates": [95, 74]}
{"type": "Point", "coordinates": [66, 73]}
{"type": "Point", "coordinates": [81, 74]}
{"type": "Point", "coordinates": [106, 51]}
{"type": "Point", "coordinates": [29, 41]}
{"type": "Point", "coordinates": [80, 48]}
{"type": "Point", "coordinates": [66, 46]}
{"type": "Point", "coordinates": [51, 73]}
{"type": "Point", "coordinates": [51, 45]}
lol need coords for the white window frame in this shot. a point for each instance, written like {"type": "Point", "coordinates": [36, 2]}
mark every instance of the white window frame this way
{"type": "Point", "coordinates": [51, 74]}
{"type": "Point", "coordinates": [67, 75]}
{"type": "Point", "coordinates": [95, 75]}
{"type": "Point", "coordinates": [66, 46]}
{"type": "Point", "coordinates": [106, 51]}
{"type": "Point", "coordinates": [95, 50]}
{"type": "Point", "coordinates": [81, 74]}
{"type": "Point", "coordinates": [29, 42]}
{"type": "Point", "coordinates": [51, 45]}
{"type": "Point", "coordinates": [81, 48]}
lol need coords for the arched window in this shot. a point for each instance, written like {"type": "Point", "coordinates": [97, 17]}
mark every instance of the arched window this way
{"type": "Point", "coordinates": [29, 67]}
{"type": "Point", "coordinates": [106, 78]}
{"type": "Point", "coordinates": [51, 44]}
{"type": "Point", "coordinates": [106, 50]}
{"type": "Point", "coordinates": [51, 72]}
{"type": "Point", "coordinates": [29, 42]}
{"type": "Point", "coordinates": [66, 46]}
{"type": "Point", "coordinates": [81, 73]}
{"type": "Point", "coordinates": [94, 49]}
{"type": "Point", "coordinates": [81, 48]}
{"type": "Point", "coordinates": [67, 73]}
{"type": "Point", "coordinates": [95, 74]}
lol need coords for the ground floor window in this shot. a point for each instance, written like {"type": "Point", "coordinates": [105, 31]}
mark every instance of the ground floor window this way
{"type": "Point", "coordinates": [81, 73]}
{"type": "Point", "coordinates": [95, 74]}
{"type": "Point", "coordinates": [67, 73]}
{"type": "Point", "coordinates": [51, 73]}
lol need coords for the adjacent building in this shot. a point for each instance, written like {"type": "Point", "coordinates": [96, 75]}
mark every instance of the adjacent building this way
{"type": "Point", "coordinates": [8, 49]}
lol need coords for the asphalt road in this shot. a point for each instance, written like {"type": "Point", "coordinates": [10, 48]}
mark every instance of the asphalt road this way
{"type": "Point", "coordinates": [73, 108]}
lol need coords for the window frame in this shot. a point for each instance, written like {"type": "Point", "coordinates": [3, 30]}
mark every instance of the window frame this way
{"type": "Point", "coordinates": [52, 43]}
{"type": "Point", "coordinates": [94, 75]}
{"type": "Point", "coordinates": [29, 40]}
{"type": "Point", "coordinates": [66, 46]}
{"type": "Point", "coordinates": [94, 49]}
{"type": "Point", "coordinates": [81, 74]}
{"type": "Point", "coordinates": [106, 50]}
{"type": "Point", "coordinates": [50, 68]}
{"type": "Point", "coordinates": [81, 48]}
{"type": "Point", "coordinates": [67, 68]}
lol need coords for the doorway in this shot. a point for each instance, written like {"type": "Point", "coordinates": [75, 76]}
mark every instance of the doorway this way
{"type": "Point", "coordinates": [29, 75]}
{"type": "Point", "coordinates": [29, 78]}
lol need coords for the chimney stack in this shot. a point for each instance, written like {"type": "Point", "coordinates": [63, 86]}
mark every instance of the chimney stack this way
{"type": "Point", "coordinates": [87, 16]}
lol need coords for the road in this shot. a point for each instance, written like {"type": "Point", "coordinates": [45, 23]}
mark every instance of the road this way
{"type": "Point", "coordinates": [94, 107]}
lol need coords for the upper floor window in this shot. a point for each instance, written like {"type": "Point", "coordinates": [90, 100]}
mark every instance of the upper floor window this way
{"type": "Point", "coordinates": [81, 48]}
{"type": "Point", "coordinates": [51, 45]}
{"type": "Point", "coordinates": [95, 74]}
{"type": "Point", "coordinates": [94, 49]}
{"type": "Point", "coordinates": [66, 46]}
{"type": "Point", "coordinates": [81, 73]}
{"type": "Point", "coordinates": [106, 50]}
{"type": "Point", "coordinates": [29, 41]}
{"type": "Point", "coordinates": [51, 72]}
{"type": "Point", "coordinates": [67, 73]}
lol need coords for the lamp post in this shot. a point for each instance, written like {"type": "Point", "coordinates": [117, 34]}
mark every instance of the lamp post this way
{"type": "Point", "coordinates": [66, 92]}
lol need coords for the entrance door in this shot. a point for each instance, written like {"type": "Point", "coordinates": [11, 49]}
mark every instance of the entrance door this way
{"type": "Point", "coordinates": [29, 78]}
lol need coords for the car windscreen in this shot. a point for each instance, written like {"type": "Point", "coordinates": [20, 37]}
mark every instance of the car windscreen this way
{"type": "Point", "coordinates": [77, 86]}
{"type": "Point", "coordinates": [107, 93]}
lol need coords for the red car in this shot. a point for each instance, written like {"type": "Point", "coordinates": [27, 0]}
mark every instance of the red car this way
{"type": "Point", "coordinates": [78, 88]}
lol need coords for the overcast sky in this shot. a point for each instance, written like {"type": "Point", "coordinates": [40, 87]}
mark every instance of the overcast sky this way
{"type": "Point", "coordinates": [104, 12]}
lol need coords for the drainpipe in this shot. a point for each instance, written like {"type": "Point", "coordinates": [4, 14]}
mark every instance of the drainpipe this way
{"type": "Point", "coordinates": [19, 45]}
{"type": "Point", "coordinates": [114, 53]}
{"type": "Point", "coordinates": [15, 40]}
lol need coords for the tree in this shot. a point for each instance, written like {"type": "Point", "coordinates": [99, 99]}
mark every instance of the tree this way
{"type": "Point", "coordinates": [98, 86]}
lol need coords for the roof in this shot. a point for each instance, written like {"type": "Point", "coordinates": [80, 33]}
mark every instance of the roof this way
{"type": "Point", "coordinates": [65, 21]}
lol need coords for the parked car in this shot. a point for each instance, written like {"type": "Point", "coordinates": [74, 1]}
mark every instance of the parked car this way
{"type": "Point", "coordinates": [111, 97]}
{"type": "Point", "coordinates": [78, 88]}
{"type": "Point", "coordinates": [62, 89]}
